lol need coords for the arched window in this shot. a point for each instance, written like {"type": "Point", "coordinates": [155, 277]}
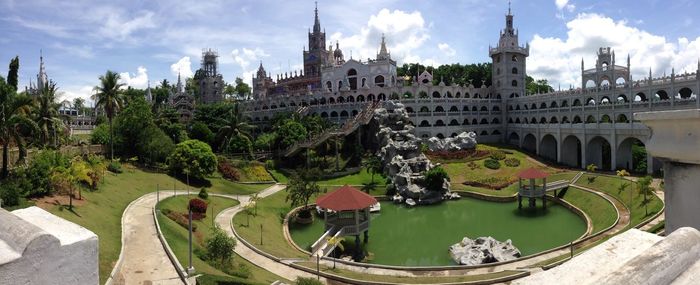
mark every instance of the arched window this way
{"type": "Point", "coordinates": [514, 83]}
{"type": "Point", "coordinates": [515, 70]}
{"type": "Point", "coordinates": [329, 86]}
{"type": "Point", "coordinates": [379, 81]}
{"type": "Point", "coordinates": [514, 58]}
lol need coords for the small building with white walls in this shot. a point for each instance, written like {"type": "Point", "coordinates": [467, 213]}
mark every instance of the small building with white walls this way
{"type": "Point", "coordinates": [37, 247]}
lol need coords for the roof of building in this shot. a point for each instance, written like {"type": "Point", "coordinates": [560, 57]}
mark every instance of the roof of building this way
{"type": "Point", "coordinates": [532, 173]}
{"type": "Point", "coordinates": [346, 198]}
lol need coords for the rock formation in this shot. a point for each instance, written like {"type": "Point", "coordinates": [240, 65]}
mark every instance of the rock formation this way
{"type": "Point", "coordinates": [400, 153]}
{"type": "Point", "coordinates": [465, 140]}
{"type": "Point", "coordinates": [483, 250]}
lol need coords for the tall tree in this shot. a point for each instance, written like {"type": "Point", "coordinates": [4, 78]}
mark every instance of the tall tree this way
{"type": "Point", "coordinates": [110, 99]}
{"type": "Point", "coordinates": [235, 126]}
{"type": "Point", "coordinates": [47, 115]}
{"type": "Point", "coordinates": [12, 74]}
{"type": "Point", "coordinates": [79, 104]}
{"type": "Point", "coordinates": [14, 116]}
{"type": "Point", "coordinates": [242, 88]}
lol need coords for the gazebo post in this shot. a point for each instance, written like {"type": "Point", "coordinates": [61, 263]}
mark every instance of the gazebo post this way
{"type": "Point", "coordinates": [367, 230]}
{"type": "Point", "coordinates": [531, 200]}
{"type": "Point", "coordinates": [520, 197]}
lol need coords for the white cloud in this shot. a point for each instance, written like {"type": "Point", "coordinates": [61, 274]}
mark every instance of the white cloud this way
{"type": "Point", "coordinates": [446, 49]}
{"type": "Point", "coordinates": [183, 67]}
{"type": "Point", "coordinates": [248, 60]}
{"type": "Point", "coordinates": [115, 23]}
{"type": "Point", "coordinates": [405, 33]}
{"type": "Point", "coordinates": [71, 92]}
{"type": "Point", "coordinates": [564, 4]}
{"type": "Point", "coordinates": [138, 80]}
{"type": "Point", "coordinates": [557, 59]}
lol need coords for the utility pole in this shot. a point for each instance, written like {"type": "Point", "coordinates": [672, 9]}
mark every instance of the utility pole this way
{"type": "Point", "coordinates": [190, 269]}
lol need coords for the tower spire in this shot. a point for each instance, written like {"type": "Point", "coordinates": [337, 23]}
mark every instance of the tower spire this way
{"type": "Point", "coordinates": [317, 23]}
{"type": "Point", "coordinates": [509, 8]}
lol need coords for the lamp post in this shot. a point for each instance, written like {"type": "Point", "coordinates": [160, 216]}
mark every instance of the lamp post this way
{"type": "Point", "coordinates": [190, 269]}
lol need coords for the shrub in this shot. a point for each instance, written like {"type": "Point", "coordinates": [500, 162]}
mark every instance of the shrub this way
{"type": "Point", "coordinates": [100, 135]}
{"type": "Point", "coordinates": [496, 183]}
{"type": "Point", "coordinates": [200, 131]}
{"type": "Point", "coordinates": [154, 145]}
{"type": "Point", "coordinates": [498, 155]}
{"type": "Point", "coordinates": [114, 166]}
{"type": "Point", "coordinates": [492, 164]}
{"type": "Point", "coordinates": [34, 179]}
{"type": "Point", "coordinates": [198, 208]}
{"type": "Point", "coordinates": [472, 165]}
{"type": "Point", "coordinates": [240, 144]}
{"type": "Point", "coordinates": [307, 281]}
{"type": "Point", "coordinates": [270, 164]}
{"type": "Point", "coordinates": [242, 271]}
{"type": "Point", "coordinates": [9, 193]}
{"type": "Point", "coordinates": [512, 162]}
{"type": "Point", "coordinates": [181, 219]}
{"type": "Point", "coordinates": [470, 154]}
{"type": "Point", "coordinates": [227, 170]}
{"type": "Point", "coordinates": [434, 179]}
{"type": "Point", "coordinates": [194, 157]}
{"type": "Point", "coordinates": [203, 194]}
{"type": "Point", "coordinates": [220, 246]}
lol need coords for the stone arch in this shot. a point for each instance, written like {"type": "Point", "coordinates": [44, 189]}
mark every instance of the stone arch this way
{"type": "Point", "coordinates": [514, 83]}
{"type": "Point", "coordinates": [496, 108]}
{"type": "Point", "coordinates": [605, 100]}
{"type": "Point", "coordinates": [564, 103]}
{"type": "Point", "coordinates": [621, 118]}
{"type": "Point", "coordinates": [591, 119]}
{"type": "Point", "coordinates": [424, 109]}
{"type": "Point", "coordinates": [439, 123]}
{"type": "Point", "coordinates": [424, 123]}
{"type": "Point", "coordinates": [409, 109]}
{"type": "Point", "coordinates": [484, 121]}
{"type": "Point", "coordinates": [577, 102]}
{"type": "Point", "coordinates": [605, 119]}
{"type": "Point", "coordinates": [543, 105]}
{"type": "Point", "coordinates": [533, 106]}
{"type": "Point", "coordinates": [590, 101]}
{"type": "Point", "coordinates": [548, 147]}
{"type": "Point", "coordinates": [436, 94]}
{"type": "Point", "coordinates": [620, 80]}
{"type": "Point", "coordinates": [370, 98]}
{"type": "Point", "coordinates": [530, 143]}
{"type": "Point", "coordinates": [454, 122]}
{"type": "Point", "coordinates": [590, 83]}
{"type": "Point", "coordinates": [495, 121]}
{"type": "Point", "coordinates": [571, 151]}
{"type": "Point", "coordinates": [379, 81]}
{"type": "Point", "coordinates": [466, 95]}
{"type": "Point", "coordinates": [439, 109]}
{"type": "Point", "coordinates": [685, 93]}
{"type": "Point", "coordinates": [484, 109]}
{"type": "Point", "coordinates": [340, 99]}
{"type": "Point", "coordinates": [453, 135]}
{"type": "Point", "coordinates": [553, 104]}
{"type": "Point", "coordinates": [510, 107]}
{"type": "Point", "coordinates": [577, 120]}
{"type": "Point", "coordinates": [343, 113]}
{"type": "Point", "coordinates": [622, 98]}
{"type": "Point", "coordinates": [553, 120]}
{"type": "Point", "coordinates": [484, 133]}
{"type": "Point", "coordinates": [448, 94]}
{"type": "Point", "coordinates": [533, 120]}
{"type": "Point", "coordinates": [465, 108]}
{"type": "Point", "coordinates": [360, 98]}
{"type": "Point", "coordinates": [496, 133]}
{"type": "Point", "coordinates": [543, 120]}
{"type": "Point", "coordinates": [350, 99]}
{"type": "Point", "coordinates": [565, 120]}
{"type": "Point", "coordinates": [408, 95]}
{"type": "Point", "coordinates": [331, 100]}
{"type": "Point", "coordinates": [510, 120]}
{"type": "Point", "coordinates": [352, 78]}
{"type": "Point", "coordinates": [640, 97]}
{"type": "Point", "coordinates": [514, 70]}
{"type": "Point", "coordinates": [381, 97]}
{"type": "Point", "coordinates": [661, 95]}
{"type": "Point", "coordinates": [514, 138]}
{"type": "Point", "coordinates": [475, 122]}
{"type": "Point", "coordinates": [598, 152]}
{"type": "Point", "coordinates": [440, 136]}
{"type": "Point", "coordinates": [631, 155]}
{"type": "Point", "coordinates": [354, 113]}
{"type": "Point", "coordinates": [474, 109]}
{"type": "Point", "coordinates": [422, 95]}
{"type": "Point", "coordinates": [465, 122]}
{"type": "Point", "coordinates": [334, 114]}
{"type": "Point", "coordinates": [517, 120]}
{"type": "Point", "coordinates": [454, 109]}
{"type": "Point", "coordinates": [458, 95]}
{"type": "Point", "coordinates": [424, 136]}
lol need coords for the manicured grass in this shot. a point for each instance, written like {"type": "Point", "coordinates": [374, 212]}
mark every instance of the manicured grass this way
{"type": "Point", "coordinates": [102, 209]}
{"type": "Point", "coordinates": [599, 210]}
{"type": "Point", "coordinates": [405, 279]}
{"type": "Point", "coordinates": [357, 179]}
{"type": "Point", "coordinates": [252, 171]}
{"type": "Point", "coordinates": [279, 176]}
{"type": "Point", "coordinates": [177, 237]}
{"type": "Point", "coordinates": [513, 188]}
{"type": "Point", "coordinates": [270, 214]}
{"type": "Point", "coordinates": [631, 197]}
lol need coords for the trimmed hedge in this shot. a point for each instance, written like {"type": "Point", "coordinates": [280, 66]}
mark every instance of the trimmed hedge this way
{"type": "Point", "coordinates": [492, 164]}
{"type": "Point", "coordinates": [498, 155]}
{"type": "Point", "coordinates": [512, 162]}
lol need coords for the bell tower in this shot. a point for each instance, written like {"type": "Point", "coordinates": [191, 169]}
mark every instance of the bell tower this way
{"type": "Point", "coordinates": [509, 62]}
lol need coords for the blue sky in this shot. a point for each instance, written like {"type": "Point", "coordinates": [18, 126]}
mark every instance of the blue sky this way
{"type": "Point", "coordinates": [152, 40]}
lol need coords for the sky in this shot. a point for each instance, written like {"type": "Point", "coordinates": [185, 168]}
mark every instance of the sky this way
{"type": "Point", "coordinates": [155, 40]}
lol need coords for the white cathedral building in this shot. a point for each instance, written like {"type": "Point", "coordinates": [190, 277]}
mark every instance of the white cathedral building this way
{"type": "Point", "coordinates": [576, 127]}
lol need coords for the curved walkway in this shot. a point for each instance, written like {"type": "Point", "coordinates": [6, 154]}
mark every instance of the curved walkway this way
{"type": "Point", "coordinates": [223, 220]}
{"type": "Point", "coordinates": [143, 259]}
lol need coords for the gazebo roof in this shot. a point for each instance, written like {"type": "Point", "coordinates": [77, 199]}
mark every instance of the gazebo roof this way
{"type": "Point", "coordinates": [346, 198]}
{"type": "Point", "coordinates": [532, 173]}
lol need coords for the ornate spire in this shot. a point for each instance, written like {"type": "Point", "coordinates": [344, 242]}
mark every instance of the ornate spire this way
{"type": "Point", "coordinates": [179, 83]}
{"type": "Point", "coordinates": [149, 96]}
{"type": "Point", "coordinates": [42, 78]}
{"type": "Point", "coordinates": [383, 52]}
{"type": "Point", "coordinates": [317, 23]}
{"type": "Point", "coordinates": [509, 8]}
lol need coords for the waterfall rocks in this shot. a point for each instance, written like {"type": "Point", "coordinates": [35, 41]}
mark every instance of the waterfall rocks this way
{"type": "Point", "coordinates": [465, 140]}
{"type": "Point", "coordinates": [483, 250]}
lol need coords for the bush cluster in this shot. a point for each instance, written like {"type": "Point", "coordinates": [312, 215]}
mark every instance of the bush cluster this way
{"type": "Point", "coordinates": [473, 166]}
{"type": "Point", "coordinates": [492, 164]}
{"type": "Point", "coordinates": [227, 170]}
{"type": "Point", "coordinates": [198, 208]}
{"type": "Point", "coordinates": [512, 162]}
{"type": "Point", "coordinates": [203, 194]}
{"type": "Point", "coordinates": [180, 218]}
{"type": "Point", "coordinates": [498, 155]}
{"type": "Point", "coordinates": [495, 183]}
{"type": "Point", "coordinates": [115, 167]}
{"type": "Point", "coordinates": [471, 154]}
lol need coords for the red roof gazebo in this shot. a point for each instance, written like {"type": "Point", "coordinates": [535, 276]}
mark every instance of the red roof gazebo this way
{"type": "Point", "coordinates": [346, 212]}
{"type": "Point", "coordinates": [532, 191]}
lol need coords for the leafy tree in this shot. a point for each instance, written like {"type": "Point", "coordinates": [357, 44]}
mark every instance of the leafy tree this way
{"type": "Point", "coordinates": [220, 246]}
{"type": "Point", "coordinates": [100, 135]}
{"type": "Point", "coordinates": [129, 125]}
{"type": "Point", "coordinates": [130, 94]}
{"type": "Point", "coordinates": [200, 131]}
{"type": "Point", "coordinates": [213, 115]}
{"type": "Point", "coordinates": [300, 191]}
{"type": "Point", "coordinates": [291, 132]}
{"type": "Point", "coordinates": [10, 193]}
{"type": "Point", "coordinates": [65, 179]}
{"type": "Point", "coordinates": [194, 157]}
{"type": "Point", "coordinates": [168, 120]}
{"type": "Point", "coordinates": [13, 119]}
{"type": "Point", "coordinates": [47, 115]}
{"type": "Point", "coordinates": [235, 126]}
{"type": "Point", "coordinates": [368, 187]}
{"type": "Point", "coordinates": [434, 179]}
{"type": "Point", "coordinates": [154, 146]}
{"type": "Point", "coordinates": [240, 144]}
{"type": "Point", "coordinates": [12, 74]}
{"type": "Point", "coordinates": [110, 99]}
{"type": "Point", "coordinates": [533, 86]}
{"type": "Point", "coordinates": [451, 74]}
{"type": "Point", "coordinates": [35, 177]}
{"type": "Point", "coordinates": [79, 105]}
{"type": "Point", "coordinates": [265, 141]}
{"type": "Point", "coordinates": [639, 157]}
{"type": "Point", "coordinates": [242, 88]}
{"type": "Point", "coordinates": [373, 165]}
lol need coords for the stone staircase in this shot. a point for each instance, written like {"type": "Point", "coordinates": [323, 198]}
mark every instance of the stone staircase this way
{"type": "Point", "coordinates": [348, 127]}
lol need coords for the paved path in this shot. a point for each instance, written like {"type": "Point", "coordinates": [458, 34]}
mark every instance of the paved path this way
{"type": "Point", "coordinates": [144, 260]}
{"type": "Point", "coordinates": [223, 219]}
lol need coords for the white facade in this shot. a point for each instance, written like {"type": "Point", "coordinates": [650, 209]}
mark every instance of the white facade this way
{"type": "Point", "coordinates": [37, 247]}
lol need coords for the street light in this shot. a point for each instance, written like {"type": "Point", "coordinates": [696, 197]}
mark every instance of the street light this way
{"type": "Point", "coordinates": [190, 269]}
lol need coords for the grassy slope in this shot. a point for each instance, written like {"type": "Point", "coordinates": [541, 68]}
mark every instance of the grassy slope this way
{"type": "Point", "coordinates": [279, 177]}
{"type": "Point", "coordinates": [177, 237]}
{"type": "Point", "coordinates": [601, 213]}
{"type": "Point", "coordinates": [103, 208]}
{"type": "Point", "coordinates": [632, 200]}
{"type": "Point", "coordinates": [271, 211]}
{"type": "Point", "coordinates": [355, 179]}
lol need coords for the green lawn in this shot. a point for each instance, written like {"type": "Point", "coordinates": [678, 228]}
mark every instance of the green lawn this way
{"type": "Point", "coordinates": [357, 179]}
{"type": "Point", "coordinates": [513, 188]}
{"type": "Point", "coordinates": [270, 214]}
{"type": "Point", "coordinates": [599, 210]}
{"type": "Point", "coordinates": [279, 176]}
{"type": "Point", "coordinates": [177, 237]}
{"type": "Point", "coordinates": [102, 209]}
{"type": "Point", "coordinates": [631, 197]}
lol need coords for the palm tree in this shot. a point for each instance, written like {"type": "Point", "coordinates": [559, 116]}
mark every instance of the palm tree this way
{"type": "Point", "coordinates": [79, 104]}
{"type": "Point", "coordinates": [14, 117]}
{"type": "Point", "coordinates": [235, 126]}
{"type": "Point", "coordinates": [336, 242]}
{"type": "Point", "coordinates": [110, 98]}
{"type": "Point", "coordinates": [47, 113]}
{"type": "Point", "coordinates": [65, 179]}
{"type": "Point", "coordinates": [373, 165]}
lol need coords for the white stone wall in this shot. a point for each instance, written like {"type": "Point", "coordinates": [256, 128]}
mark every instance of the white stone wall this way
{"type": "Point", "coordinates": [37, 247]}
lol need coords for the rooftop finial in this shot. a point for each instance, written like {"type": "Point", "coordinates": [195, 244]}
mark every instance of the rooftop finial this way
{"type": "Point", "coordinates": [508, 7]}
{"type": "Point", "coordinates": [317, 23]}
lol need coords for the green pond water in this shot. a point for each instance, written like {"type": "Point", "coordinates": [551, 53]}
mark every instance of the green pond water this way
{"type": "Point", "coordinates": [421, 236]}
